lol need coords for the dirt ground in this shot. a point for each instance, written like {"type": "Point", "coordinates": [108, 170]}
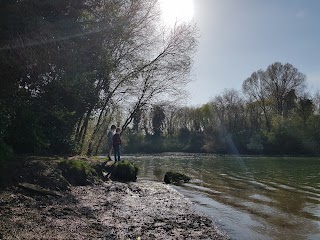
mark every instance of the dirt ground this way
{"type": "Point", "coordinates": [112, 210]}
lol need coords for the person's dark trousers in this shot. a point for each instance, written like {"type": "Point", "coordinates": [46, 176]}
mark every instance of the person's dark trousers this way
{"type": "Point", "coordinates": [116, 150]}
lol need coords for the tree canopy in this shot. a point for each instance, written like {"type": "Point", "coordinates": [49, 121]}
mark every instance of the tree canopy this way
{"type": "Point", "coordinates": [68, 66]}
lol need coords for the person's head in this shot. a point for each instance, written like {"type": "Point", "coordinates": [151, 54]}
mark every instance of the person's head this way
{"type": "Point", "coordinates": [118, 130]}
{"type": "Point", "coordinates": [113, 128]}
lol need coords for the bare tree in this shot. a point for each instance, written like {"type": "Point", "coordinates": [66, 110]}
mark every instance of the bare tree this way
{"type": "Point", "coordinates": [230, 109]}
{"type": "Point", "coordinates": [281, 79]}
{"type": "Point", "coordinates": [255, 88]}
{"type": "Point", "coordinates": [124, 30]}
{"type": "Point", "coordinates": [165, 75]}
{"type": "Point", "coordinates": [274, 88]}
{"type": "Point", "coordinates": [149, 64]}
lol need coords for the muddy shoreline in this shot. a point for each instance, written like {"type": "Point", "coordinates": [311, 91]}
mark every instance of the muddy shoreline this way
{"type": "Point", "coordinates": [111, 210]}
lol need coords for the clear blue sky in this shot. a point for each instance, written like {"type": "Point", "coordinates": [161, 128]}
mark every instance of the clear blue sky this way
{"type": "Point", "coordinates": [239, 37]}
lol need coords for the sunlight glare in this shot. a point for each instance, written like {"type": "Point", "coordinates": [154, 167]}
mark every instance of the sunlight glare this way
{"type": "Point", "coordinates": [176, 11]}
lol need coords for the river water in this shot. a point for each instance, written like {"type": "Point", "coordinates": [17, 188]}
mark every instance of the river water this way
{"type": "Point", "coordinates": [248, 197]}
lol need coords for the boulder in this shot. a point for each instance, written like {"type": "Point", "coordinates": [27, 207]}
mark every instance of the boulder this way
{"type": "Point", "coordinates": [176, 178]}
{"type": "Point", "coordinates": [78, 172]}
{"type": "Point", "coordinates": [124, 171]}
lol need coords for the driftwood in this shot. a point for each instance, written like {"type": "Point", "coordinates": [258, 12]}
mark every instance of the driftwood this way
{"type": "Point", "coordinates": [38, 190]}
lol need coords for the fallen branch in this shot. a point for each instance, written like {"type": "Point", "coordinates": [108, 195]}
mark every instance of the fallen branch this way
{"type": "Point", "coordinates": [39, 190]}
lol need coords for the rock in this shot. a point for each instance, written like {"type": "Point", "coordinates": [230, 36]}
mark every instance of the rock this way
{"type": "Point", "coordinates": [175, 178]}
{"type": "Point", "coordinates": [124, 171]}
{"type": "Point", "coordinates": [78, 172]}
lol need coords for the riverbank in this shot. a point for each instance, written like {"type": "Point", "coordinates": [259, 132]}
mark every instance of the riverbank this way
{"type": "Point", "coordinates": [109, 210]}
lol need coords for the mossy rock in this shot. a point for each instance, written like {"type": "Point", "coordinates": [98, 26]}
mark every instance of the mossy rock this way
{"type": "Point", "coordinates": [124, 171]}
{"type": "Point", "coordinates": [78, 172]}
{"type": "Point", "coordinates": [176, 178]}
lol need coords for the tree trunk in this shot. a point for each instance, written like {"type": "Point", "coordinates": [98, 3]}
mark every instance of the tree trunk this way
{"type": "Point", "coordinates": [83, 130]}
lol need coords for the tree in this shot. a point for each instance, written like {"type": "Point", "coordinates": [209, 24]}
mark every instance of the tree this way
{"type": "Point", "coordinates": [274, 90]}
{"type": "Point", "coordinates": [281, 80]}
{"type": "Point", "coordinates": [158, 67]}
{"type": "Point", "coordinates": [158, 117]}
{"type": "Point", "coordinates": [305, 109]}
{"type": "Point", "coordinates": [230, 110]}
{"type": "Point", "coordinates": [68, 63]}
{"type": "Point", "coordinates": [255, 88]}
{"type": "Point", "coordinates": [32, 40]}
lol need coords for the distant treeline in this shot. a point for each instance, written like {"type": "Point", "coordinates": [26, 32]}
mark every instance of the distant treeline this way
{"type": "Point", "coordinates": [274, 115]}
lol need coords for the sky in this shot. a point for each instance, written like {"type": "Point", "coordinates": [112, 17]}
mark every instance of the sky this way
{"type": "Point", "coordinates": [239, 37]}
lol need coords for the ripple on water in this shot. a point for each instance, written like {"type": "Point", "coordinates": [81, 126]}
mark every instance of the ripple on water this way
{"type": "Point", "coordinates": [312, 189]}
{"type": "Point", "coordinates": [278, 198]}
{"type": "Point", "coordinates": [314, 210]}
{"type": "Point", "coordinates": [261, 185]}
{"type": "Point", "coordinates": [201, 188]}
{"type": "Point", "coordinates": [196, 180]}
{"type": "Point", "coordinates": [261, 197]}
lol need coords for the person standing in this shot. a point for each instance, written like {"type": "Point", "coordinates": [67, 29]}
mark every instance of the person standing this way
{"type": "Point", "coordinates": [110, 140]}
{"type": "Point", "coordinates": [116, 145]}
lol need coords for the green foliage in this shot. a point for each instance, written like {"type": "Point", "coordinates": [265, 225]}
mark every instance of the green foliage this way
{"type": "Point", "coordinates": [158, 117]}
{"type": "Point", "coordinates": [173, 144]}
{"type": "Point", "coordinates": [135, 143]}
{"type": "Point", "coordinates": [184, 135]}
{"type": "Point", "coordinates": [35, 104]}
{"type": "Point", "coordinates": [63, 63]}
{"type": "Point", "coordinates": [292, 136]}
{"type": "Point", "coordinates": [153, 144]}
{"type": "Point", "coordinates": [255, 144]}
{"type": "Point", "coordinates": [125, 171]}
{"type": "Point", "coordinates": [78, 172]}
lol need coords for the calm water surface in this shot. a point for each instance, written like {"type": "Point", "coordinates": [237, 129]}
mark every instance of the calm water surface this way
{"type": "Point", "coordinates": [248, 197]}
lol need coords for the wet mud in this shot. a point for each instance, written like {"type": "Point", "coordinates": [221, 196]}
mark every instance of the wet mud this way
{"type": "Point", "coordinates": [111, 210]}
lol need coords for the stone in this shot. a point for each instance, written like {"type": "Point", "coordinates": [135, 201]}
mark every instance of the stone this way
{"type": "Point", "coordinates": [176, 178]}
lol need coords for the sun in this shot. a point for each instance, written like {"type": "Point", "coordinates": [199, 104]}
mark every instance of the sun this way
{"type": "Point", "coordinates": [176, 11]}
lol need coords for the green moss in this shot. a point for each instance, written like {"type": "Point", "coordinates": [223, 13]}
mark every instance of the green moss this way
{"type": "Point", "coordinates": [175, 178]}
{"type": "Point", "coordinates": [78, 172]}
{"type": "Point", "coordinates": [125, 171]}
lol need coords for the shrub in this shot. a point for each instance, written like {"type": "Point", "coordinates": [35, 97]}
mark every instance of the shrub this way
{"type": "Point", "coordinates": [125, 171]}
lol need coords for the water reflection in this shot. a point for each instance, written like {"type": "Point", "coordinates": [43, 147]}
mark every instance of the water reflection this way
{"type": "Point", "coordinates": [254, 197]}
